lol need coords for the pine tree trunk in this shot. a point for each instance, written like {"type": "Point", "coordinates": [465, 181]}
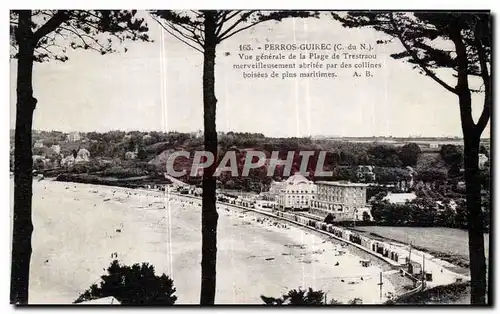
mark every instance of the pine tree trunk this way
{"type": "Point", "coordinates": [209, 211]}
{"type": "Point", "coordinates": [22, 223]}
{"type": "Point", "coordinates": [475, 222]}
{"type": "Point", "coordinates": [472, 181]}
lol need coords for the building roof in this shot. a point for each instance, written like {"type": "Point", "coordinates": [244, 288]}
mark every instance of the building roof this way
{"type": "Point", "coordinates": [297, 178]}
{"type": "Point", "coordinates": [342, 183]}
{"type": "Point", "coordinates": [399, 198]}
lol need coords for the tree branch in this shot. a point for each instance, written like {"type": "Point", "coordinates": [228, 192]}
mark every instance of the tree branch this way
{"type": "Point", "coordinates": [86, 45]}
{"type": "Point", "coordinates": [174, 35]}
{"type": "Point", "coordinates": [194, 37]}
{"type": "Point", "coordinates": [227, 16]}
{"type": "Point", "coordinates": [485, 115]}
{"type": "Point", "coordinates": [418, 60]}
{"type": "Point", "coordinates": [52, 24]}
{"type": "Point", "coordinates": [463, 89]}
{"type": "Point", "coordinates": [187, 37]}
{"type": "Point", "coordinates": [221, 19]}
{"type": "Point", "coordinates": [242, 18]}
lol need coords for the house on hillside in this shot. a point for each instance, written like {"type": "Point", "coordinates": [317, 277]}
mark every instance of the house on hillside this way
{"type": "Point", "coordinates": [83, 155]}
{"type": "Point", "coordinates": [131, 155]}
{"type": "Point", "coordinates": [38, 158]}
{"type": "Point", "coordinates": [440, 205]}
{"type": "Point", "coordinates": [73, 137]}
{"type": "Point", "coordinates": [56, 148]}
{"type": "Point", "coordinates": [197, 134]}
{"type": "Point", "coordinates": [68, 161]}
{"type": "Point", "coordinates": [38, 144]}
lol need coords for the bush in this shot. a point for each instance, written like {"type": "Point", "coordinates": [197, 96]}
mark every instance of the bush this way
{"type": "Point", "coordinates": [122, 173]}
{"type": "Point", "coordinates": [297, 297]}
{"type": "Point", "coordinates": [329, 219]}
{"type": "Point", "coordinates": [136, 284]}
{"type": "Point", "coordinates": [305, 297]}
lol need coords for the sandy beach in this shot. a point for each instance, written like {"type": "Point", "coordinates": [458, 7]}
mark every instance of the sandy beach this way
{"type": "Point", "coordinates": [78, 227]}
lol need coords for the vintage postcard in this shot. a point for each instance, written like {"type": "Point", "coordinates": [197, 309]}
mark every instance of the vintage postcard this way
{"type": "Point", "coordinates": [250, 157]}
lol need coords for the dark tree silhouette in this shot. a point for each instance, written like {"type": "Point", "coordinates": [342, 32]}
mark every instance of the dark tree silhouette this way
{"type": "Point", "coordinates": [38, 36]}
{"type": "Point", "coordinates": [203, 31]}
{"type": "Point", "coordinates": [329, 219]}
{"type": "Point", "coordinates": [297, 297]}
{"type": "Point", "coordinates": [132, 285]}
{"type": "Point", "coordinates": [452, 155]}
{"type": "Point", "coordinates": [459, 42]}
{"type": "Point", "coordinates": [409, 154]}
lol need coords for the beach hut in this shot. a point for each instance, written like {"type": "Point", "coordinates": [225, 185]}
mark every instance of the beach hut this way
{"type": "Point", "coordinates": [346, 234]}
{"type": "Point", "coordinates": [365, 242]}
{"type": "Point", "coordinates": [414, 268]}
{"type": "Point", "coordinates": [365, 262]}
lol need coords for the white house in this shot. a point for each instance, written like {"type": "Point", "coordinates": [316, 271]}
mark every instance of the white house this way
{"type": "Point", "coordinates": [38, 144]}
{"type": "Point", "coordinates": [68, 161]}
{"type": "Point", "coordinates": [296, 193]}
{"type": "Point", "coordinates": [82, 155]}
{"type": "Point", "coordinates": [130, 155]}
{"type": "Point", "coordinates": [56, 148]}
{"type": "Point", "coordinates": [38, 157]}
{"type": "Point", "coordinates": [197, 134]}
{"type": "Point", "coordinates": [451, 204]}
{"type": "Point", "coordinates": [146, 137]}
{"type": "Point", "coordinates": [73, 137]}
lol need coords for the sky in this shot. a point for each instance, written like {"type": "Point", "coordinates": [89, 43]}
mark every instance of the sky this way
{"type": "Point", "coordinates": [158, 86]}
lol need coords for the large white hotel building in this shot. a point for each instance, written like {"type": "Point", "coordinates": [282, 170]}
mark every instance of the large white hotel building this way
{"type": "Point", "coordinates": [344, 200]}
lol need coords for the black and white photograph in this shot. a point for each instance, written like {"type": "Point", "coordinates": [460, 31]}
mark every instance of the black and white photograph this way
{"type": "Point", "coordinates": [250, 157]}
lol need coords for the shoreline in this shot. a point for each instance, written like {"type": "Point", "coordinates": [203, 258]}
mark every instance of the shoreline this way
{"type": "Point", "coordinates": [455, 260]}
{"type": "Point", "coordinates": [144, 214]}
